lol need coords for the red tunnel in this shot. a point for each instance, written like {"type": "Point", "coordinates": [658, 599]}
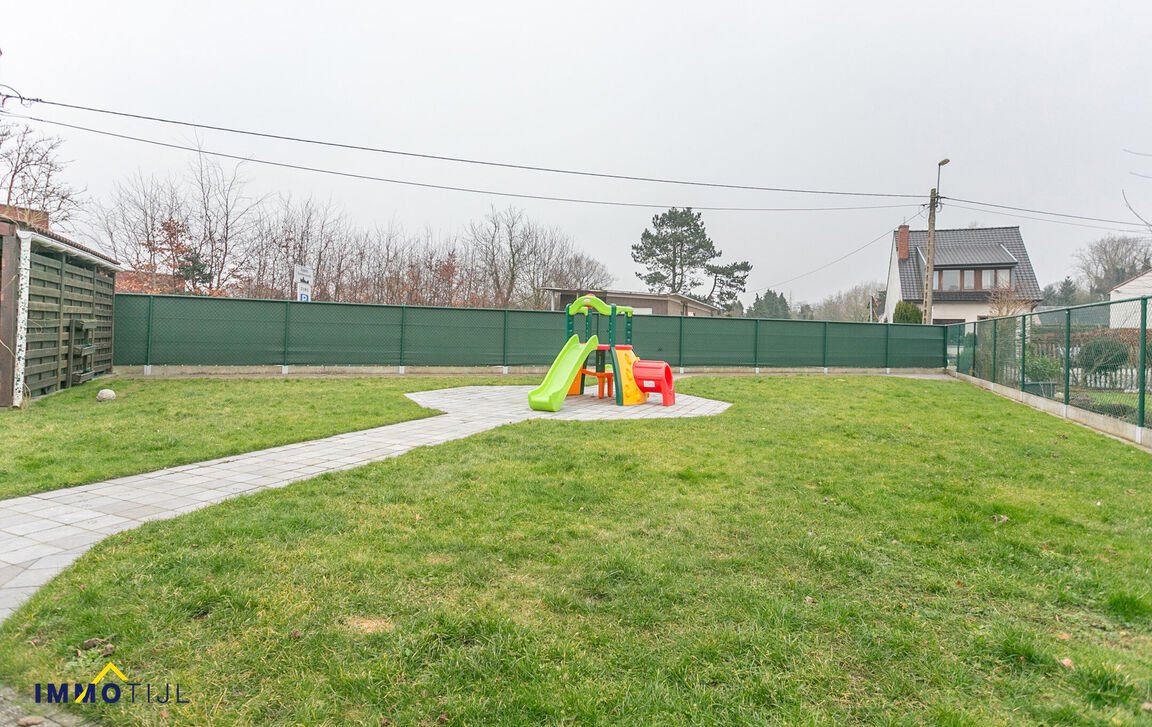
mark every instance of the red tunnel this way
{"type": "Point", "coordinates": [655, 377]}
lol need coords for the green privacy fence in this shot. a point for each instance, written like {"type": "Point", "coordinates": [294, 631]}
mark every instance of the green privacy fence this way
{"type": "Point", "coordinates": [1094, 357]}
{"type": "Point", "coordinates": [185, 330]}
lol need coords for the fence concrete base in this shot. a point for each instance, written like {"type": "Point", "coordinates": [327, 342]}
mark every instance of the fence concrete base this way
{"type": "Point", "coordinates": [176, 372]}
{"type": "Point", "coordinates": [1140, 436]}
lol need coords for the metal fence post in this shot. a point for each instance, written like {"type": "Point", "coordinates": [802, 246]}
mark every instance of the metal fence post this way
{"type": "Point", "coordinates": [824, 353]}
{"type": "Point", "coordinates": [756, 345]}
{"type": "Point", "coordinates": [1142, 377]}
{"type": "Point", "coordinates": [1067, 352]}
{"type": "Point", "coordinates": [1023, 349]}
{"type": "Point", "coordinates": [287, 318]}
{"type": "Point", "coordinates": [504, 353]}
{"type": "Point", "coordinates": [994, 347]}
{"type": "Point", "coordinates": [888, 346]}
{"type": "Point", "coordinates": [975, 345]}
{"type": "Point", "coordinates": [148, 341]}
{"type": "Point", "coordinates": [403, 315]}
{"type": "Point", "coordinates": [680, 343]}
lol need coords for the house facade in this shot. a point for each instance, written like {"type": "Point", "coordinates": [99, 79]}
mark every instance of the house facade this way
{"type": "Point", "coordinates": [1134, 287]}
{"type": "Point", "coordinates": [663, 304]}
{"type": "Point", "coordinates": [968, 266]}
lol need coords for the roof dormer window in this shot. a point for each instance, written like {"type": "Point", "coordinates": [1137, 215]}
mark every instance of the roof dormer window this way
{"type": "Point", "coordinates": [975, 279]}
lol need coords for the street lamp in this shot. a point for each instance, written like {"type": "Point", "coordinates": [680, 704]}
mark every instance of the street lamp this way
{"type": "Point", "coordinates": [939, 165]}
{"type": "Point", "coordinates": [929, 253]}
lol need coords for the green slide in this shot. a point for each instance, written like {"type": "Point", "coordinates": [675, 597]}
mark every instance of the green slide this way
{"type": "Point", "coordinates": [549, 395]}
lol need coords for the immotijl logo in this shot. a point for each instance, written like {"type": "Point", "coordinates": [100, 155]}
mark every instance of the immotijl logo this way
{"type": "Point", "coordinates": [111, 692]}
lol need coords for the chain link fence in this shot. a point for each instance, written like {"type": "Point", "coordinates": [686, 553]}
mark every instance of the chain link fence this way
{"type": "Point", "coordinates": [1094, 357]}
{"type": "Point", "coordinates": [196, 331]}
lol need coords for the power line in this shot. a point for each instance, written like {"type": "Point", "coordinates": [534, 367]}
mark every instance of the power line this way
{"type": "Point", "coordinates": [439, 157]}
{"type": "Point", "coordinates": [1040, 212]}
{"type": "Point", "coordinates": [429, 185]}
{"type": "Point", "coordinates": [830, 263]}
{"type": "Point", "coordinates": [525, 167]}
{"type": "Point", "coordinates": [1038, 219]}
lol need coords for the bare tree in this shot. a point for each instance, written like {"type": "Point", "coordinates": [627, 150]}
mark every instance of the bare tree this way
{"type": "Point", "coordinates": [552, 260]}
{"type": "Point", "coordinates": [139, 224]}
{"type": "Point", "coordinates": [501, 242]}
{"type": "Point", "coordinates": [582, 271]}
{"type": "Point", "coordinates": [515, 259]}
{"type": "Point", "coordinates": [223, 216]}
{"type": "Point", "coordinates": [1005, 300]}
{"type": "Point", "coordinates": [851, 304]}
{"type": "Point", "coordinates": [31, 171]}
{"type": "Point", "coordinates": [204, 234]}
{"type": "Point", "coordinates": [292, 233]}
{"type": "Point", "coordinates": [1111, 260]}
{"type": "Point", "coordinates": [1143, 220]}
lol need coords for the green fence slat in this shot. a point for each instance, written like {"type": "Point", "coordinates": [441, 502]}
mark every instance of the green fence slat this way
{"type": "Point", "coordinates": [190, 330]}
{"type": "Point", "coordinates": [130, 332]}
{"type": "Point", "coordinates": [453, 337]}
{"type": "Point", "coordinates": [857, 345]}
{"type": "Point", "coordinates": [534, 337]}
{"type": "Point", "coordinates": [217, 331]}
{"type": "Point", "coordinates": [345, 334]}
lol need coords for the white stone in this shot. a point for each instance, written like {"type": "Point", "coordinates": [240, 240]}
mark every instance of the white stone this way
{"type": "Point", "coordinates": [105, 395]}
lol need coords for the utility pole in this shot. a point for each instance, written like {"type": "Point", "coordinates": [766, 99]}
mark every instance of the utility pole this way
{"type": "Point", "coordinates": [930, 252]}
{"type": "Point", "coordinates": [929, 255]}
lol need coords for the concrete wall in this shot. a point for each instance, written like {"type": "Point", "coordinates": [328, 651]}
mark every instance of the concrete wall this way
{"type": "Point", "coordinates": [893, 296]}
{"type": "Point", "coordinates": [968, 311]}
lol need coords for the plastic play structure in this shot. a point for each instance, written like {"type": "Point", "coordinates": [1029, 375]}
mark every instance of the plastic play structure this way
{"type": "Point", "coordinates": [618, 372]}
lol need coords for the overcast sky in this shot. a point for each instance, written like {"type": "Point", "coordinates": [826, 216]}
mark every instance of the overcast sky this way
{"type": "Point", "coordinates": [1033, 103]}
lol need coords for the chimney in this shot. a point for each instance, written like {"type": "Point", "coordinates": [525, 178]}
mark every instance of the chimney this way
{"type": "Point", "coordinates": [902, 242]}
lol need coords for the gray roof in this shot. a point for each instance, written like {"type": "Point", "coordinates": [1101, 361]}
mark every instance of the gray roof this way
{"type": "Point", "coordinates": [973, 247]}
{"type": "Point", "coordinates": [964, 255]}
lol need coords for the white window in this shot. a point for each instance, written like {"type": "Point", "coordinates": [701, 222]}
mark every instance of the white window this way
{"type": "Point", "coordinates": [950, 280]}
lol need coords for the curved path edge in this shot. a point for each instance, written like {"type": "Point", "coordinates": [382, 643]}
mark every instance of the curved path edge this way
{"type": "Point", "coordinates": [42, 534]}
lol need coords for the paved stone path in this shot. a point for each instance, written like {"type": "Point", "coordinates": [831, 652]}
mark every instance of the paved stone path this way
{"type": "Point", "coordinates": [14, 712]}
{"type": "Point", "coordinates": [42, 534]}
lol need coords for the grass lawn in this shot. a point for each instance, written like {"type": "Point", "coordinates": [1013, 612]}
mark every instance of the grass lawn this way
{"type": "Point", "coordinates": [829, 551]}
{"type": "Point", "coordinates": [71, 439]}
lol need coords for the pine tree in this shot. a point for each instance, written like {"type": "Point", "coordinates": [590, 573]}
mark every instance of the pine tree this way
{"type": "Point", "coordinates": [677, 256]}
{"type": "Point", "coordinates": [675, 252]}
{"type": "Point", "coordinates": [771, 305]}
